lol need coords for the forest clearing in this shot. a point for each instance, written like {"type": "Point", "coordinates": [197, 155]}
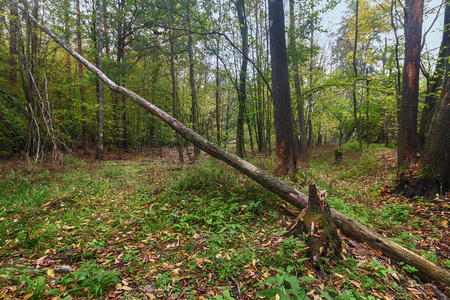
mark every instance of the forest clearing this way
{"type": "Point", "coordinates": [324, 126]}
{"type": "Point", "coordinates": [148, 227]}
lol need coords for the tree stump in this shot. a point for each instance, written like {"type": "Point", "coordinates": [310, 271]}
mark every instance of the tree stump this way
{"type": "Point", "coordinates": [337, 156]}
{"type": "Point", "coordinates": [317, 225]}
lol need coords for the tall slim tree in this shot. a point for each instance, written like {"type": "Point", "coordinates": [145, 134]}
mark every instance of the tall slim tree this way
{"type": "Point", "coordinates": [175, 104]}
{"type": "Point", "coordinates": [101, 109]}
{"type": "Point", "coordinates": [303, 147]}
{"type": "Point", "coordinates": [407, 127]}
{"type": "Point", "coordinates": [242, 93]}
{"type": "Point", "coordinates": [81, 84]}
{"type": "Point", "coordinates": [13, 30]}
{"type": "Point", "coordinates": [355, 73]}
{"type": "Point", "coordinates": [194, 114]}
{"type": "Point", "coordinates": [282, 109]}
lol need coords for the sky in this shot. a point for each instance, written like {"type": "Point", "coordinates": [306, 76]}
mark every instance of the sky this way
{"type": "Point", "coordinates": [331, 21]}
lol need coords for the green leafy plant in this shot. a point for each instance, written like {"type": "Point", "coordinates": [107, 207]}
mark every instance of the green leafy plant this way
{"type": "Point", "coordinates": [36, 287]}
{"type": "Point", "coordinates": [225, 296]}
{"type": "Point", "coordinates": [90, 281]}
{"type": "Point", "coordinates": [285, 285]}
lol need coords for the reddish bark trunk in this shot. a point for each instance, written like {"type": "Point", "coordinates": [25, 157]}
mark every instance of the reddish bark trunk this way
{"type": "Point", "coordinates": [407, 131]}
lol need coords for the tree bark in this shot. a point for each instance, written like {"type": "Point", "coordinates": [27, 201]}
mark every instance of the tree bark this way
{"type": "Point", "coordinates": [407, 127]}
{"type": "Point", "coordinates": [242, 93]}
{"type": "Point", "coordinates": [436, 157]}
{"type": "Point", "coordinates": [355, 79]}
{"type": "Point", "coordinates": [80, 78]}
{"type": "Point", "coordinates": [435, 82]}
{"type": "Point", "coordinates": [317, 225]}
{"type": "Point", "coordinates": [194, 114]}
{"type": "Point", "coordinates": [281, 93]}
{"type": "Point", "coordinates": [175, 109]}
{"type": "Point", "coordinates": [101, 109]}
{"type": "Point", "coordinates": [426, 270]}
{"type": "Point", "coordinates": [13, 25]}
{"type": "Point", "coordinates": [303, 146]}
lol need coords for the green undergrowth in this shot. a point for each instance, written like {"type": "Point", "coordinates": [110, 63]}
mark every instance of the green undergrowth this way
{"type": "Point", "coordinates": [196, 231]}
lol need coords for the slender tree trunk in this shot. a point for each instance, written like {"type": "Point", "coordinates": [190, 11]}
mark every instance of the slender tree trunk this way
{"type": "Point", "coordinates": [218, 95]}
{"type": "Point", "coordinates": [192, 78]}
{"type": "Point", "coordinates": [281, 92]}
{"type": "Point", "coordinates": [175, 109]}
{"type": "Point", "coordinates": [101, 109]}
{"type": "Point", "coordinates": [398, 79]}
{"type": "Point", "coordinates": [242, 93]}
{"type": "Point", "coordinates": [311, 77]}
{"type": "Point", "coordinates": [367, 114]}
{"type": "Point", "coordinates": [407, 127]}
{"type": "Point", "coordinates": [303, 147]}
{"type": "Point", "coordinates": [355, 72]}
{"type": "Point", "coordinates": [259, 97]}
{"type": "Point", "coordinates": [80, 78]}
{"type": "Point", "coordinates": [13, 30]}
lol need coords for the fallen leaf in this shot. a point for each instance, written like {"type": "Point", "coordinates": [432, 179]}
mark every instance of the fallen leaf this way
{"type": "Point", "coordinates": [356, 283]}
{"type": "Point", "coordinates": [150, 296]}
{"type": "Point", "coordinates": [28, 296]}
{"type": "Point", "coordinates": [39, 261]}
{"type": "Point", "coordinates": [51, 273]}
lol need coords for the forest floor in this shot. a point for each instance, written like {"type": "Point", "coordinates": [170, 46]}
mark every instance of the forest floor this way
{"type": "Point", "coordinates": [148, 227]}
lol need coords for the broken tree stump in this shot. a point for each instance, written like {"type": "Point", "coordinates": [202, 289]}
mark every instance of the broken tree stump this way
{"type": "Point", "coordinates": [318, 226]}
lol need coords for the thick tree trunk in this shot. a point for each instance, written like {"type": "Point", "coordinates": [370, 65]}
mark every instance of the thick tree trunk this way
{"type": "Point", "coordinates": [426, 270]}
{"type": "Point", "coordinates": [435, 82]}
{"type": "Point", "coordinates": [436, 157]}
{"type": "Point", "coordinates": [281, 93]}
{"type": "Point", "coordinates": [407, 127]}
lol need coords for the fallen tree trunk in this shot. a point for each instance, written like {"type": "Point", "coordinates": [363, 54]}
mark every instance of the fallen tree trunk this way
{"type": "Point", "coordinates": [427, 270]}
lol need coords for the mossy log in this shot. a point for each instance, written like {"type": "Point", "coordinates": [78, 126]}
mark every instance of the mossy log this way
{"type": "Point", "coordinates": [428, 270]}
{"type": "Point", "coordinates": [318, 226]}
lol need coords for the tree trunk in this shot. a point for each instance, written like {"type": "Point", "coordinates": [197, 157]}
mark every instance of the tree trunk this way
{"type": "Point", "coordinates": [80, 78]}
{"type": "Point", "coordinates": [194, 114]}
{"type": "Point", "coordinates": [355, 73]}
{"type": "Point", "coordinates": [242, 93]}
{"type": "Point", "coordinates": [13, 25]}
{"type": "Point", "coordinates": [218, 96]}
{"type": "Point", "coordinates": [303, 146]}
{"type": "Point", "coordinates": [281, 93]}
{"type": "Point", "coordinates": [407, 127]}
{"type": "Point", "coordinates": [101, 109]}
{"type": "Point", "coordinates": [259, 95]}
{"type": "Point", "coordinates": [436, 157]}
{"type": "Point", "coordinates": [435, 82]}
{"type": "Point", "coordinates": [426, 270]}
